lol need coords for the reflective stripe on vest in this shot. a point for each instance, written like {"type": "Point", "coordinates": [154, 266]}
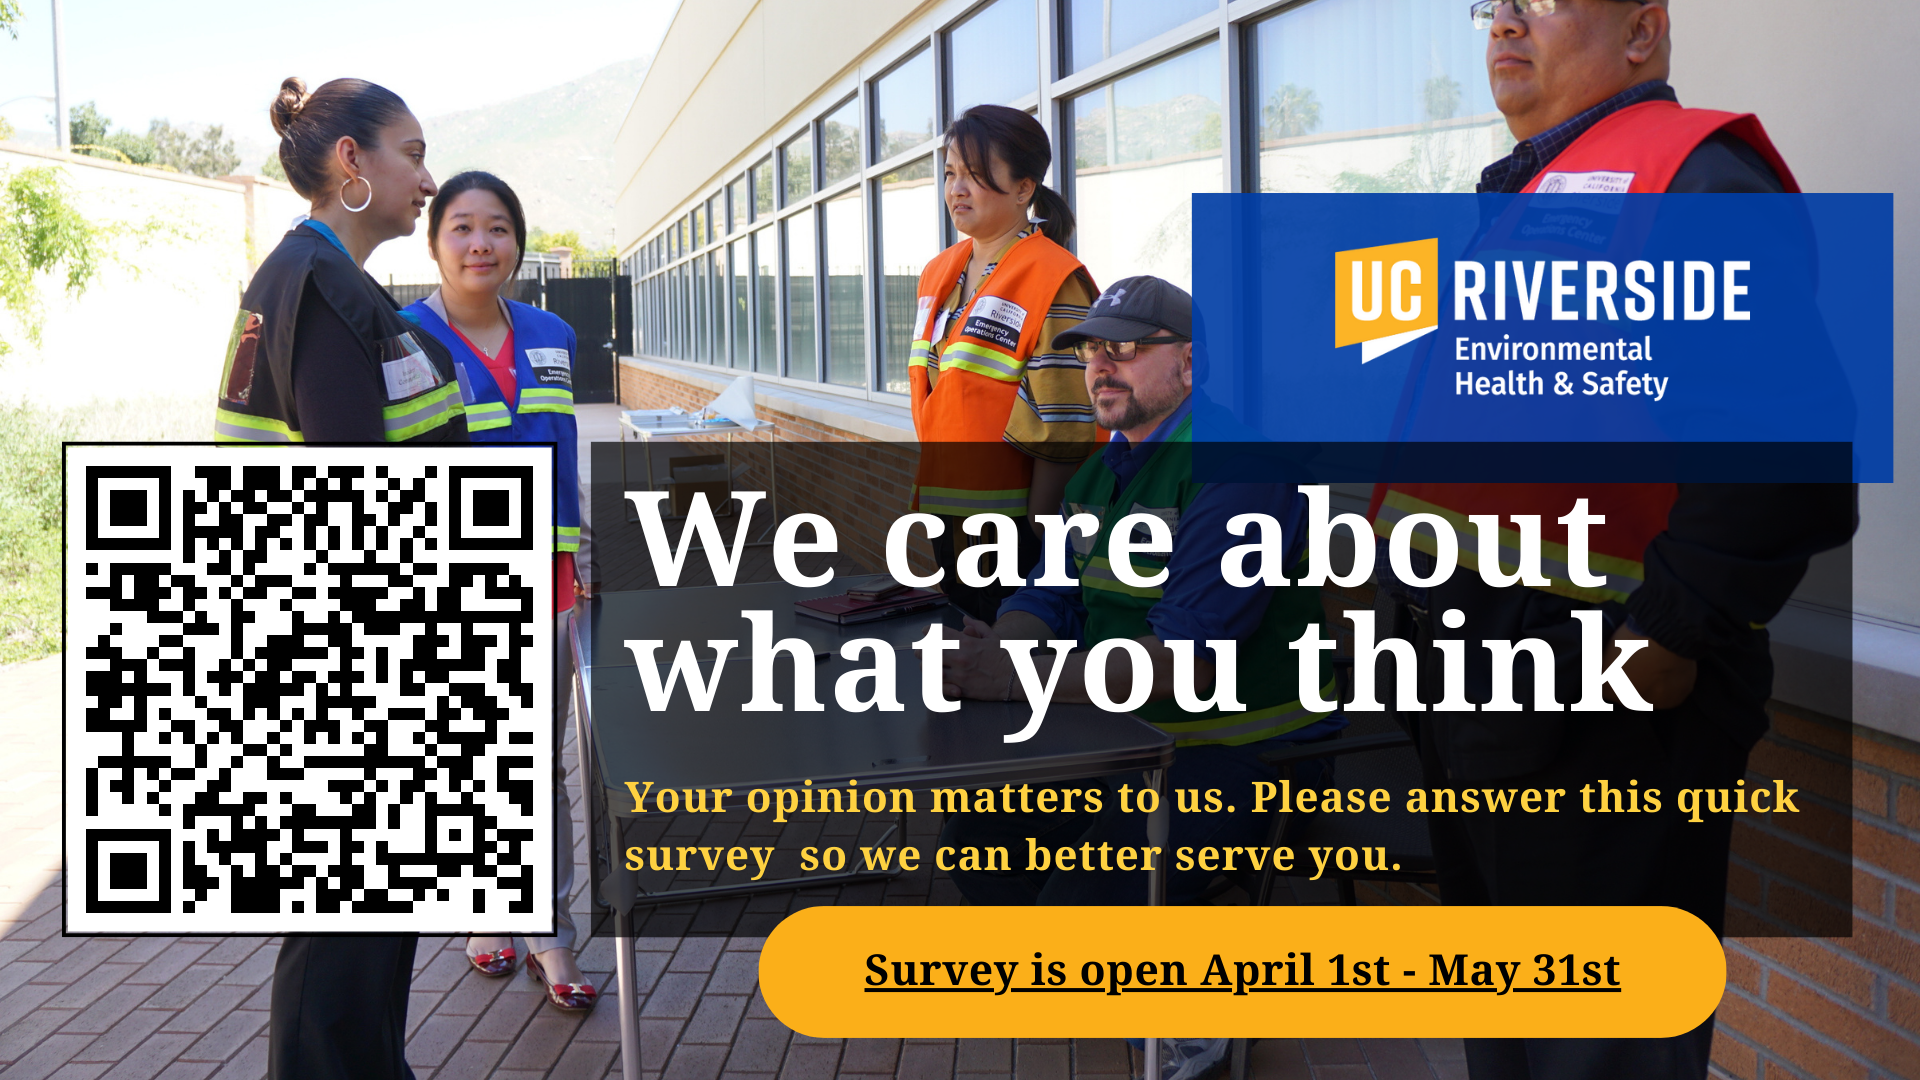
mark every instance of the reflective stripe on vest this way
{"type": "Point", "coordinates": [488, 415]}
{"type": "Point", "coordinates": [982, 360]}
{"type": "Point", "coordinates": [922, 354]}
{"type": "Point", "coordinates": [1623, 575]}
{"type": "Point", "coordinates": [566, 539]}
{"type": "Point", "coordinates": [546, 399]}
{"type": "Point", "coordinates": [961, 502]}
{"type": "Point", "coordinates": [419, 415]}
{"type": "Point", "coordinates": [1255, 725]}
{"type": "Point", "coordinates": [235, 427]}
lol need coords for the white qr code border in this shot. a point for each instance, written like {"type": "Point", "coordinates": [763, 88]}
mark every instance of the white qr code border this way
{"type": "Point", "coordinates": [241, 643]}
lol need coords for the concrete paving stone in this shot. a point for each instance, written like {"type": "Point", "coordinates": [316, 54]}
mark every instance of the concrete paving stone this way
{"type": "Point", "coordinates": [11, 950]}
{"type": "Point", "coordinates": [189, 1071]}
{"type": "Point", "coordinates": [233, 950]}
{"type": "Point", "coordinates": [504, 1018]}
{"type": "Point", "coordinates": [1101, 1056]}
{"type": "Point", "coordinates": [763, 923]}
{"type": "Point", "coordinates": [472, 1061]}
{"type": "Point", "coordinates": [207, 1009]}
{"type": "Point", "coordinates": [249, 1064]}
{"type": "Point", "coordinates": [435, 1040]}
{"type": "Point", "coordinates": [1342, 1072]}
{"type": "Point", "coordinates": [870, 1056]}
{"type": "Point", "coordinates": [603, 1023]}
{"type": "Point", "coordinates": [1333, 1052]}
{"type": "Point", "coordinates": [541, 1041]}
{"type": "Point", "coordinates": [73, 1070]}
{"type": "Point", "coordinates": [746, 943]}
{"type": "Point", "coordinates": [17, 974]}
{"type": "Point", "coordinates": [179, 991]}
{"type": "Point", "coordinates": [469, 997]}
{"type": "Point", "coordinates": [227, 1036]}
{"type": "Point", "coordinates": [111, 1007]}
{"type": "Point", "coordinates": [598, 955]}
{"type": "Point", "coordinates": [1451, 1069]}
{"type": "Point", "coordinates": [169, 962]}
{"type": "Point", "coordinates": [985, 1055]}
{"type": "Point", "coordinates": [40, 927]}
{"type": "Point", "coordinates": [29, 1030]}
{"type": "Point", "coordinates": [89, 988]}
{"type": "Point", "coordinates": [443, 970]}
{"type": "Point", "coordinates": [75, 963]}
{"type": "Point", "coordinates": [583, 1059]}
{"type": "Point", "coordinates": [674, 995]}
{"type": "Point", "coordinates": [255, 969]}
{"type": "Point", "coordinates": [1396, 1059]}
{"type": "Point", "coordinates": [759, 1046]}
{"type": "Point", "coordinates": [715, 1019]}
{"type": "Point", "coordinates": [647, 969]}
{"type": "Point", "coordinates": [729, 1074]}
{"type": "Point", "coordinates": [1278, 1059]}
{"type": "Point", "coordinates": [1041, 1061]}
{"type": "Point", "coordinates": [518, 1074]}
{"type": "Point", "coordinates": [757, 1006]}
{"type": "Point", "coordinates": [691, 1062]}
{"type": "Point", "coordinates": [262, 998]}
{"type": "Point", "coordinates": [150, 1058]}
{"type": "Point", "coordinates": [142, 949]}
{"type": "Point", "coordinates": [420, 1006]}
{"type": "Point", "coordinates": [127, 1035]}
{"type": "Point", "coordinates": [697, 954]}
{"type": "Point", "coordinates": [1444, 1049]}
{"type": "Point", "coordinates": [657, 1039]}
{"type": "Point", "coordinates": [926, 1061]}
{"type": "Point", "coordinates": [812, 1061]}
{"type": "Point", "coordinates": [46, 1057]}
{"type": "Point", "coordinates": [735, 973]}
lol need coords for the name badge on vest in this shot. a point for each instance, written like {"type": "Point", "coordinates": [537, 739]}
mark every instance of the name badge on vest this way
{"type": "Point", "coordinates": [551, 366]}
{"type": "Point", "coordinates": [407, 368]}
{"type": "Point", "coordinates": [921, 319]}
{"type": "Point", "coordinates": [996, 319]}
{"type": "Point", "coordinates": [1586, 183]}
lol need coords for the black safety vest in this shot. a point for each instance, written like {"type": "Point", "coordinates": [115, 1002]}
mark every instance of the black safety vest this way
{"type": "Point", "coordinates": [256, 387]}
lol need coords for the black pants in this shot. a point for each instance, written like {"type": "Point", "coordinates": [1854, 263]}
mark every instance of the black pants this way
{"type": "Point", "coordinates": [340, 1008]}
{"type": "Point", "coordinates": [982, 603]}
{"type": "Point", "coordinates": [1614, 858]}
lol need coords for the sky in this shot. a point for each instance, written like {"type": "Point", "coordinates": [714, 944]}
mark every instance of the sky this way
{"type": "Point", "coordinates": [221, 61]}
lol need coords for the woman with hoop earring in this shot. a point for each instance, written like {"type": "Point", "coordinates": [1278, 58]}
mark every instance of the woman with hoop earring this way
{"type": "Point", "coordinates": [321, 353]}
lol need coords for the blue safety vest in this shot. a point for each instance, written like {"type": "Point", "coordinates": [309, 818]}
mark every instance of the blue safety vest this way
{"type": "Point", "coordinates": [543, 351]}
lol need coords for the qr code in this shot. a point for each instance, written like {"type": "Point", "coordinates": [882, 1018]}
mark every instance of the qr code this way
{"type": "Point", "coordinates": [309, 689]}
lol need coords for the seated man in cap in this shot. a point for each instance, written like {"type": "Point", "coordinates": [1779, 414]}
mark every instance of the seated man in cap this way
{"type": "Point", "coordinates": [1138, 351]}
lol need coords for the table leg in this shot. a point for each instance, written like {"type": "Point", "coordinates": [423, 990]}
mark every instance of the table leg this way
{"type": "Point", "coordinates": [1158, 824]}
{"type": "Point", "coordinates": [629, 992]}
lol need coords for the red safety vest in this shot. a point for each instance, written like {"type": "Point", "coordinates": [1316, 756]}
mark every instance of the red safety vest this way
{"type": "Point", "coordinates": [960, 417]}
{"type": "Point", "coordinates": [1645, 143]}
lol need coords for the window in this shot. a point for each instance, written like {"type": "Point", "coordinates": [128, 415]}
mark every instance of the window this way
{"type": "Point", "coordinates": [700, 226]}
{"type": "Point", "coordinates": [1413, 103]}
{"type": "Point", "coordinates": [766, 351]}
{"type": "Point", "coordinates": [737, 196]}
{"type": "Point", "coordinates": [1141, 146]}
{"type": "Point", "coordinates": [846, 308]}
{"type": "Point", "coordinates": [717, 306]}
{"type": "Point", "coordinates": [716, 216]}
{"type": "Point", "coordinates": [992, 57]}
{"type": "Point", "coordinates": [840, 143]}
{"type": "Point", "coordinates": [1097, 29]}
{"type": "Point", "coordinates": [909, 238]}
{"type": "Point", "coordinates": [742, 303]}
{"type": "Point", "coordinates": [701, 343]}
{"type": "Point", "coordinates": [686, 234]}
{"type": "Point", "coordinates": [903, 107]}
{"type": "Point", "coordinates": [801, 328]}
{"type": "Point", "coordinates": [796, 161]}
{"type": "Point", "coordinates": [762, 175]}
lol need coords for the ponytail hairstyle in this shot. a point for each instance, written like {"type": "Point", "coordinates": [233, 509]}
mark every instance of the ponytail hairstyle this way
{"type": "Point", "coordinates": [471, 180]}
{"type": "Point", "coordinates": [1020, 141]}
{"type": "Point", "coordinates": [310, 124]}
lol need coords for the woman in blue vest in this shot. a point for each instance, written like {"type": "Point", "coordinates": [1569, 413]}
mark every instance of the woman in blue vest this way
{"type": "Point", "coordinates": [516, 375]}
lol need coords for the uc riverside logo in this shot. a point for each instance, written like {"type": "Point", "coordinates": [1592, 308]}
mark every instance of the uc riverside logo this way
{"type": "Point", "coordinates": [1386, 297]}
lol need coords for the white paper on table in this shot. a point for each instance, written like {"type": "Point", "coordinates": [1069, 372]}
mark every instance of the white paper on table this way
{"type": "Point", "coordinates": [736, 403]}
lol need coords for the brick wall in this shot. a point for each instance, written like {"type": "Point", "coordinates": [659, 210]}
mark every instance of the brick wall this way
{"type": "Point", "coordinates": [1796, 1008]}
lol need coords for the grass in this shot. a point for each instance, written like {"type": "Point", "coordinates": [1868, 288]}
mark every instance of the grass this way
{"type": "Point", "coordinates": [31, 497]}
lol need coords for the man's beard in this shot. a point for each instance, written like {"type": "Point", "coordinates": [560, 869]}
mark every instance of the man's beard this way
{"type": "Point", "coordinates": [1139, 406]}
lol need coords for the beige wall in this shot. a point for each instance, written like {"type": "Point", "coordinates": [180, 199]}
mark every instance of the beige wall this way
{"type": "Point", "coordinates": [1835, 95]}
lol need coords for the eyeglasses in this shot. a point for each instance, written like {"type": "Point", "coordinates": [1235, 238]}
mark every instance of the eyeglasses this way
{"type": "Point", "coordinates": [1122, 351]}
{"type": "Point", "coordinates": [1484, 11]}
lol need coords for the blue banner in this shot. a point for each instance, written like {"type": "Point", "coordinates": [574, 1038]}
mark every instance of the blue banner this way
{"type": "Point", "coordinates": [1594, 337]}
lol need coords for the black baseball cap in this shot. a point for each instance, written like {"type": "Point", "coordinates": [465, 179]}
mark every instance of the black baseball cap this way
{"type": "Point", "coordinates": [1134, 308]}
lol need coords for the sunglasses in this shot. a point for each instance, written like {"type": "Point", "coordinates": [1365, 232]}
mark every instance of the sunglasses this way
{"type": "Point", "coordinates": [1485, 11]}
{"type": "Point", "coordinates": [1122, 351]}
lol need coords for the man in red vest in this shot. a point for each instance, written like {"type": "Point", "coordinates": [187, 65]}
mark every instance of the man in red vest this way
{"type": "Point", "coordinates": [1694, 570]}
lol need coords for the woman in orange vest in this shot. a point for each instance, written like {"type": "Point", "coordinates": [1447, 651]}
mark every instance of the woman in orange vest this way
{"type": "Point", "coordinates": [1002, 424]}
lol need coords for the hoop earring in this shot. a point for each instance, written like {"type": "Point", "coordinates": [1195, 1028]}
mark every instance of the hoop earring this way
{"type": "Point", "coordinates": [343, 194]}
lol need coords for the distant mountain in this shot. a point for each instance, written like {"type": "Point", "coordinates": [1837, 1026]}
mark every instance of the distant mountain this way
{"type": "Point", "coordinates": [555, 146]}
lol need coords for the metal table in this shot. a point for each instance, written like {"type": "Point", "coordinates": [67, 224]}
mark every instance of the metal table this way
{"type": "Point", "coordinates": [728, 748]}
{"type": "Point", "coordinates": [650, 424]}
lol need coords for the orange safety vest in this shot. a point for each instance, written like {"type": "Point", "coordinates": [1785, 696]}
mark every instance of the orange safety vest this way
{"type": "Point", "coordinates": [1648, 142]}
{"type": "Point", "coordinates": [960, 418]}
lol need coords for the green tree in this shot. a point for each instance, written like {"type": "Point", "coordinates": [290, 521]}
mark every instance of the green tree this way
{"type": "Point", "coordinates": [1290, 112]}
{"type": "Point", "coordinates": [211, 154]}
{"type": "Point", "coordinates": [92, 135]}
{"type": "Point", "coordinates": [42, 234]}
{"type": "Point", "coordinates": [9, 16]}
{"type": "Point", "coordinates": [273, 169]}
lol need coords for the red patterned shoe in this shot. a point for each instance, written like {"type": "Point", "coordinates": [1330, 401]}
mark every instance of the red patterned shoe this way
{"type": "Point", "coordinates": [493, 964]}
{"type": "Point", "coordinates": [567, 997]}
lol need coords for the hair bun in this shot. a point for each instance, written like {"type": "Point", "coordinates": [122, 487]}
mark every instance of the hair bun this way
{"type": "Point", "coordinates": [287, 104]}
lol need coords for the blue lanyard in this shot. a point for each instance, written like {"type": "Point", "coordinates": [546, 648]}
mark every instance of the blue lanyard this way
{"type": "Point", "coordinates": [323, 229]}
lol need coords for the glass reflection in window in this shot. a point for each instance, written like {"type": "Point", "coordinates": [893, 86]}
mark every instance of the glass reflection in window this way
{"type": "Point", "coordinates": [993, 56]}
{"type": "Point", "coordinates": [903, 107]}
{"type": "Point", "coordinates": [800, 296]}
{"type": "Point", "coordinates": [909, 239]}
{"type": "Point", "coordinates": [846, 306]}
{"type": "Point", "coordinates": [1097, 29]}
{"type": "Point", "coordinates": [840, 143]}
